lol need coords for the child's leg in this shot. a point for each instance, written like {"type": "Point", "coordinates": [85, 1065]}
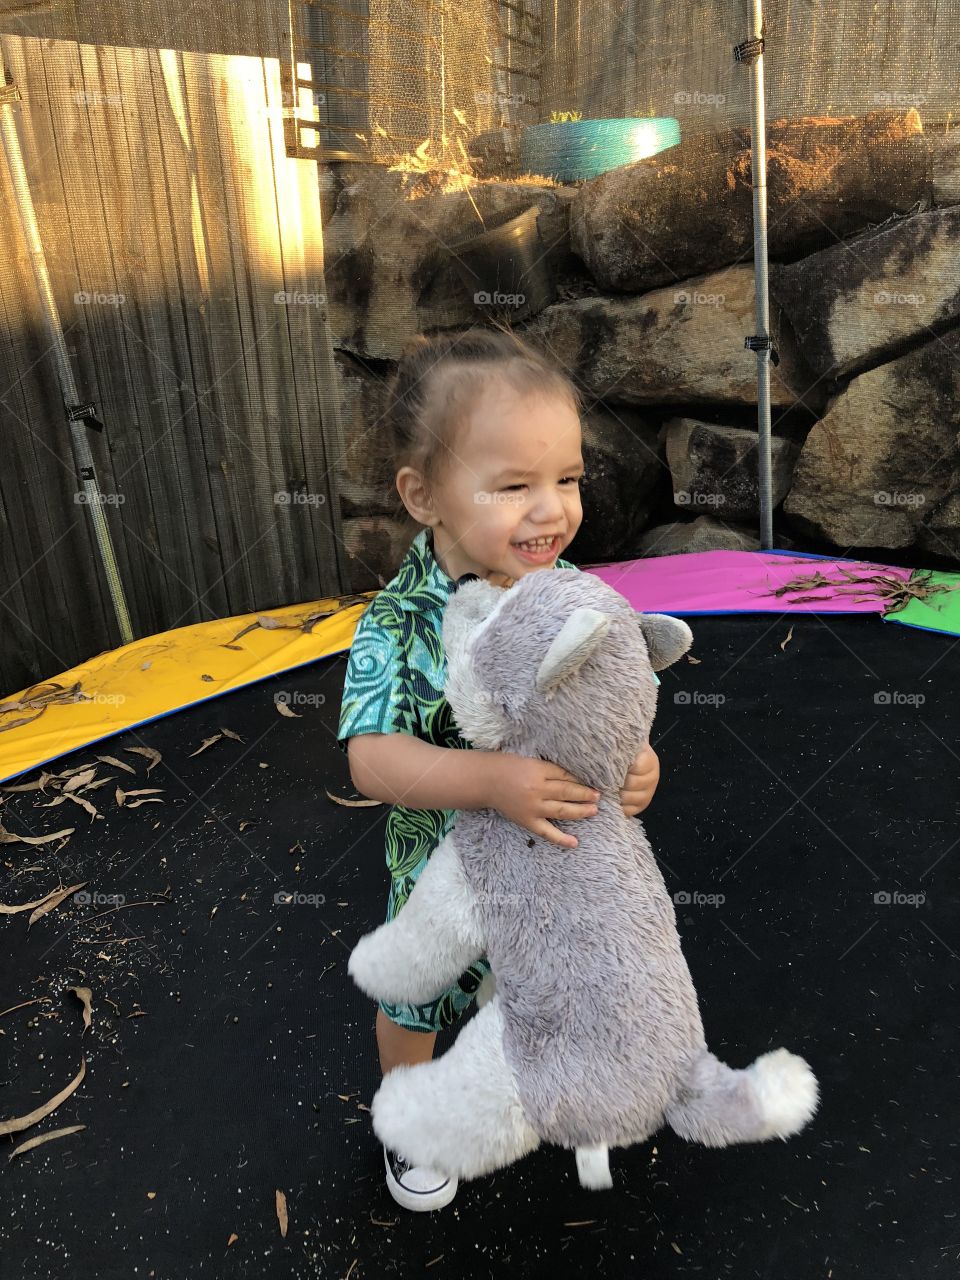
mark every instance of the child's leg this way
{"type": "Point", "coordinates": [399, 1046]}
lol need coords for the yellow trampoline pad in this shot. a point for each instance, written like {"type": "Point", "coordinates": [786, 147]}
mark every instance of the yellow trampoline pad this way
{"type": "Point", "coordinates": [122, 688]}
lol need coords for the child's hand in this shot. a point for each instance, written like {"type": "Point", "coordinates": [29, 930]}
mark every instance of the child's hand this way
{"type": "Point", "coordinates": [530, 792]}
{"type": "Point", "coordinates": [641, 782]}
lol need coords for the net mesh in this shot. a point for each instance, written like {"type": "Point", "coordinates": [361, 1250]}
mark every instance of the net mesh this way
{"type": "Point", "coordinates": [231, 311]}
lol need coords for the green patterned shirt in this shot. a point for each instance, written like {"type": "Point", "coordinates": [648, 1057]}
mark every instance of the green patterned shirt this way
{"type": "Point", "coordinates": [394, 684]}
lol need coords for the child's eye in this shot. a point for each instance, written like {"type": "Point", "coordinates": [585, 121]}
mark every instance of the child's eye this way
{"type": "Point", "coordinates": [565, 480]}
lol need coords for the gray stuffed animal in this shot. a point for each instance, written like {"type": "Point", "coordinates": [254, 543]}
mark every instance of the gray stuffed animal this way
{"type": "Point", "coordinates": [589, 1035]}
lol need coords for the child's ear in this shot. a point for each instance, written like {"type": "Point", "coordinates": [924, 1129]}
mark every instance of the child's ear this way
{"type": "Point", "coordinates": [667, 638]}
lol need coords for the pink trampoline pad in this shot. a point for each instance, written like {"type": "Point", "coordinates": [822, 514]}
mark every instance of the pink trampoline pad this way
{"type": "Point", "coordinates": [748, 582]}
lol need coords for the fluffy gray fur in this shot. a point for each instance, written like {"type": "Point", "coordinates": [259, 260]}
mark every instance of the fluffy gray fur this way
{"type": "Point", "coordinates": [602, 1038]}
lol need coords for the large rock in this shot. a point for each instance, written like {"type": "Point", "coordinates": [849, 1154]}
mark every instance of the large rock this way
{"type": "Point", "coordinates": [945, 168]}
{"type": "Point", "coordinates": [706, 533]}
{"type": "Point", "coordinates": [375, 546]}
{"type": "Point", "coordinates": [717, 467]}
{"type": "Point", "coordinates": [690, 208]}
{"type": "Point", "coordinates": [364, 483]}
{"type": "Point", "coordinates": [682, 345]}
{"type": "Point", "coordinates": [624, 463]}
{"type": "Point", "coordinates": [863, 302]}
{"type": "Point", "coordinates": [885, 454]}
{"type": "Point", "coordinates": [389, 272]}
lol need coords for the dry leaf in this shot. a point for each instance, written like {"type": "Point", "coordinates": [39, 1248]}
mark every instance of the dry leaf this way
{"type": "Point", "coordinates": [84, 995]}
{"type": "Point", "coordinates": [24, 1122]}
{"type": "Point", "coordinates": [135, 804]}
{"type": "Point", "coordinates": [80, 779]}
{"type": "Point", "coordinates": [118, 763]}
{"type": "Point", "coordinates": [153, 756]}
{"type": "Point", "coordinates": [282, 1213]}
{"type": "Point", "coordinates": [233, 1237]}
{"type": "Point", "coordinates": [247, 822]}
{"type": "Point", "coordinates": [26, 906]}
{"type": "Point", "coordinates": [7, 837]}
{"type": "Point", "coordinates": [691, 658]}
{"type": "Point", "coordinates": [120, 796]}
{"type": "Point", "coordinates": [209, 679]}
{"type": "Point", "coordinates": [787, 638]}
{"type": "Point", "coordinates": [285, 711]}
{"type": "Point", "coordinates": [84, 804]}
{"type": "Point", "coordinates": [15, 724]}
{"type": "Point", "coordinates": [93, 785]}
{"type": "Point", "coordinates": [352, 804]}
{"type": "Point", "coordinates": [207, 742]}
{"type": "Point", "coordinates": [44, 1137]}
{"type": "Point", "coordinates": [52, 902]}
{"type": "Point", "coordinates": [228, 733]}
{"type": "Point", "coordinates": [57, 800]}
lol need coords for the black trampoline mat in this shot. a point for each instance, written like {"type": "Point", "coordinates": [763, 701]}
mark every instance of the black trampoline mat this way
{"type": "Point", "coordinates": [231, 1056]}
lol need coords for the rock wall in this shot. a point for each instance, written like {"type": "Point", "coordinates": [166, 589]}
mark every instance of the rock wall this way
{"type": "Point", "coordinates": [652, 265]}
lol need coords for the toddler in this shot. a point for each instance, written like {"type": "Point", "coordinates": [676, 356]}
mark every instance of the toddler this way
{"type": "Point", "coordinates": [482, 439]}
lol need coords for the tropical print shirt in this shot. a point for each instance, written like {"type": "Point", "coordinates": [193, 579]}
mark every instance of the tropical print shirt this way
{"type": "Point", "coordinates": [394, 684]}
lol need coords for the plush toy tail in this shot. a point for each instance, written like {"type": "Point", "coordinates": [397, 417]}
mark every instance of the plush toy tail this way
{"type": "Point", "coordinates": [718, 1105]}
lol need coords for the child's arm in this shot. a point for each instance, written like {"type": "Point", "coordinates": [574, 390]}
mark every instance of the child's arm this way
{"type": "Point", "coordinates": [399, 768]}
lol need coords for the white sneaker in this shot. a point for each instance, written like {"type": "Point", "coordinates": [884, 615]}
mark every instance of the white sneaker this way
{"type": "Point", "coordinates": [417, 1188]}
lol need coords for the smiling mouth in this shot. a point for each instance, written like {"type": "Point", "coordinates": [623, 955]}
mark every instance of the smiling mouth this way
{"type": "Point", "coordinates": [538, 546]}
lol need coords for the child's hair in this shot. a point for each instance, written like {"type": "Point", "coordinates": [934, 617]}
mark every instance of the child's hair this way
{"type": "Point", "coordinates": [435, 384]}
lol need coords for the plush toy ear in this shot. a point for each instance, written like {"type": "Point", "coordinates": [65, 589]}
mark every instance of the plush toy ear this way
{"type": "Point", "coordinates": [570, 648]}
{"type": "Point", "coordinates": [667, 638]}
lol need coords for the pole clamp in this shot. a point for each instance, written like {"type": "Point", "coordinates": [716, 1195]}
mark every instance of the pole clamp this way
{"type": "Point", "coordinates": [762, 344]}
{"type": "Point", "coordinates": [85, 413]}
{"type": "Point", "coordinates": [749, 50]}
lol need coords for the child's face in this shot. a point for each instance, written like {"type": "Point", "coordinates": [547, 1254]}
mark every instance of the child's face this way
{"type": "Point", "coordinates": [514, 477]}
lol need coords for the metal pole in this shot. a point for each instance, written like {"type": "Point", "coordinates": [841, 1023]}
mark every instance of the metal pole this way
{"type": "Point", "coordinates": [752, 51]}
{"type": "Point", "coordinates": [77, 415]}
